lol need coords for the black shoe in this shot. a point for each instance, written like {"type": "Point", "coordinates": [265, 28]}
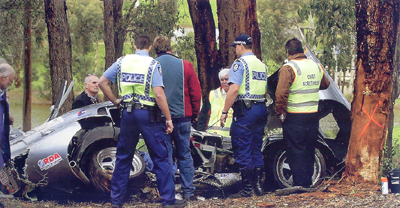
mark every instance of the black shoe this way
{"type": "Point", "coordinates": [258, 174]}
{"type": "Point", "coordinates": [178, 204]}
{"type": "Point", "coordinates": [190, 198]}
{"type": "Point", "coordinates": [247, 186]}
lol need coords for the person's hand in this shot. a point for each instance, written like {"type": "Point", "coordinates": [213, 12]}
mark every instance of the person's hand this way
{"type": "Point", "coordinates": [282, 118]}
{"type": "Point", "coordinates": [193, 119]}
{"type": "Point", "coordinates": [11, 120]}
{"type": "Point", "coordinates": [117, 102]}
{"type": "Point", "coordinates": [170, 127]}
{"type": "Point", "coordinates": [222, 119]}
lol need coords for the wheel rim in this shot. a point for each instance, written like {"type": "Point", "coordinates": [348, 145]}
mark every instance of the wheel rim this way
{"type": "Point", "coordinates": [285, 174]}
{"type": "Point", "coordinates": [106, 159]}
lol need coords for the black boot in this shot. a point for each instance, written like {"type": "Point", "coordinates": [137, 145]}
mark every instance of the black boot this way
{"type": "Point", "coordinates": [258, 174]}
{"type": "Point", "coordinates": [247, 187]}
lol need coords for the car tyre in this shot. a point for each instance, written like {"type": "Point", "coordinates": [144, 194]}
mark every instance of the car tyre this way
{"type": "Point", "coordinates": [283, 174]}
{"type": "Point", "coordinates": [102, 166]}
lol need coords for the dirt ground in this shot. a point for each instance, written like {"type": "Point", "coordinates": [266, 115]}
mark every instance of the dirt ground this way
{"type": "Point", "coordinates": [343, 194]}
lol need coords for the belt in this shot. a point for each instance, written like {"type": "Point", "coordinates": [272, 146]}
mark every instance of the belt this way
{"type": "Point", "coordinates": [136, 106]}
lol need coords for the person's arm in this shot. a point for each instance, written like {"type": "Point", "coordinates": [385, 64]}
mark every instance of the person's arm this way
{"type": "Point", "coordinates": [105, 87]}
{"type": "Point", "coordinates": [194, 89]}
{"type": "Point", "coordinates": [230, 99]}
{"type": "Point", "coordinates": [324, 83]}
{"type": "Point", "coordinates": [163, 105]}
{"type": "Point", "coordinates": [285, 80]}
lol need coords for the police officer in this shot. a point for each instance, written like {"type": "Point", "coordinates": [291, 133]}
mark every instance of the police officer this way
{"type": "Point", "coordinates": [297, 96]}
{"type": "Point", "coordinates": [140, 85]}
{"type": "Point", "coordinates": [214, 106]}
{"type": "Point", "coordinates": [247, 91]}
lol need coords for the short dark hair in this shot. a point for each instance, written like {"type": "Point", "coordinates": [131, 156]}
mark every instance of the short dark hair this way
{"type": "Point", "coordinates": [293, 46]}
{"type": "Point", "coordinates": [142, 42]}
{"type": "Point", "coordinates": [162, 44]}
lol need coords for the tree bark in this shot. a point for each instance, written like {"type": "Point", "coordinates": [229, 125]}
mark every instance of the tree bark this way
{"type": "Point", "coordinates": [376, 40]}
{"type": "Point", "coordinates": [395, 94]}
{"type": "Point", "coordinates": [26, 114]}
{"type": "Point", "coordinates": [235, 18]}
{"type": "Point", "coordinates": [119, 32]}
{"type": "Point", "coordinates": [109, 33]}
{"type": "Point", "coordinates": [205, 44]}
{"type": "Point", "coordinates": [60, 53]}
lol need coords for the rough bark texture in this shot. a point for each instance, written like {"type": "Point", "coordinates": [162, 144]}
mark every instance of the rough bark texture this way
{"type": "Point", "coordinates": [110, 38]}
{"type": "Point", "coordinates": [60, 54]}
{"type": "Point", "coordinates": [119, 32]}
{"type": "Point", "coordinates": [109, 33]}
{"type": "Point", "coordinates": [376, 40]}
{"type": "Point", "coordinates": [205, 44]}
{"type": "Point", "coordinates": [26, 114]}
{"type": "Point", "coordinates": [235, 18]}
{"type": "Point", "coordinates": [395, 94]}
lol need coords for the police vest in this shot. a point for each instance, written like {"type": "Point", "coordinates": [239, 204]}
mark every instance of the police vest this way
{"type": "Point", "coordinates": [217, 102]}
{"type": "Point", "coordinates": [304, 91]}
{"type": "Point", "coordinates": [254, 82]}
{"type": "Point", "coordinates": [135, 75]}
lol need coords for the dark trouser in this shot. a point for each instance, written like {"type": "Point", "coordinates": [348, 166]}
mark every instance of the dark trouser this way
{"type": "Point", "coordinates": [154, 136]}
{"type": "Point", "coordinates": [181, 137]}
{"type": "Point", "coordinates": [247, 132]}
{"type": "Point", "coordinates": [300, 132]}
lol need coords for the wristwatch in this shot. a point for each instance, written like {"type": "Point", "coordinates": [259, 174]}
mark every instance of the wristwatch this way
{"type": "Point", "coordinates": [223, 112]}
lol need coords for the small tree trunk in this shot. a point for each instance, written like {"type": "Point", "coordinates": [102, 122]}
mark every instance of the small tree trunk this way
{"type": "Point", "coordinates": [60, 53]}
{"type": "Point", "coordinates": [26, 114]}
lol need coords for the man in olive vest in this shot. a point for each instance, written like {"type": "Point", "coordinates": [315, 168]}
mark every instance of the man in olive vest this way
{"type": "Point", "coordinates": [212, 108]}
{"type": "Point", "coordinates": [246, 95]}
{"type": "Point", "coordinates": [296, 105]}
{"type": "Point", "coordinates": [140, 85]}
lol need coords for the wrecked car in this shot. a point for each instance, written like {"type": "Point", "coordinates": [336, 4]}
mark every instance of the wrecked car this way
{"type": "Point", "coordinates": [67, 152]}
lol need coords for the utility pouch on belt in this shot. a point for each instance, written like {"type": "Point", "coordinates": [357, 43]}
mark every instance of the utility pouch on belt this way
{"type": "Point", "coordinates": [129, 106]}
{"type": "Point", "coordinates": [247, 104]}
{"type": "Point", "coordinates": [152, 114]}
{"type": "Point", "coordinates": [159, 114]}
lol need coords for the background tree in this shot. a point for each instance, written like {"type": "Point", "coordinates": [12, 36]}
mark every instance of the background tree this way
{"type": "Point", "coordinates": [334, 32]}
{"type": "Point", "coordinates": [377, 27]}
{"type": "Point", "coordinates": [205, 44]}
{"type": "Point", "coordinates": [235, 18]}
{"type": "Point", "coordinates": [60, 54]}
{"type": "Point", "coordinates": [28, 68]}
{"type": "Point", "coordinates": [279, 22]}
{"type": "Point", "coordinates": [86, 32]}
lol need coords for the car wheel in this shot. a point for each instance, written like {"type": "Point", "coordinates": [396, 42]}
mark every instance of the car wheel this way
{"type": "Point", "coordinates": [283, 174]}
{"type": "Point", "coordinates": [102, 166]}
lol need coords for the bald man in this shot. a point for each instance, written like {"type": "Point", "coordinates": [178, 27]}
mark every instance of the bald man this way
{"type": "Point", "coordinates": [89, 96]}
{"type": "Point", "coordinates": [7, 75]}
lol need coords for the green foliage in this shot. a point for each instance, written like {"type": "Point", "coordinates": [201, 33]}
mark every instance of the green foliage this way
{"type": "Point", "coordinates": [184, 47]}
{"type": "Point", "coordinates": [184, 14]}
{"type": "Point", "coordinates": [86, 25]}
{"type": "Point", "coordinates": [152, 19]}
{"type": "Point", "coordinates": [276, 19]}
{"type": "Point", "coordinates": [334, 33]}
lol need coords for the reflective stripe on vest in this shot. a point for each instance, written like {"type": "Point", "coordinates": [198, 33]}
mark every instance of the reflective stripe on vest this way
{"type": "Point", "coordinates": [254, 79]}
{"type": "Point", "coordinates": [135, 77]}
{"type": "Point", "coordinates": [217, 102]}
{"type": "Point", "coordinates": [304, 91]}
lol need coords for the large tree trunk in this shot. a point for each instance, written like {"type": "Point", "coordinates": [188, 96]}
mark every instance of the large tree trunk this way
{"type": "Point", "coordinates": [205, 44]}
{"type": "Point", "coordinates": [119, 33]}
{"type": "Point", "coordinates": [395, 94]}
{"type": "Point", "coordinates": [60, 54]}
{"type": "Point", "coordinates": [376, 40]}
{"type": "Point", "coordinates": [235, 18]}
{"type": "Point", "coordinates": [109, 33]}
{"type": "Point", "coordinates": [26, 114]}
